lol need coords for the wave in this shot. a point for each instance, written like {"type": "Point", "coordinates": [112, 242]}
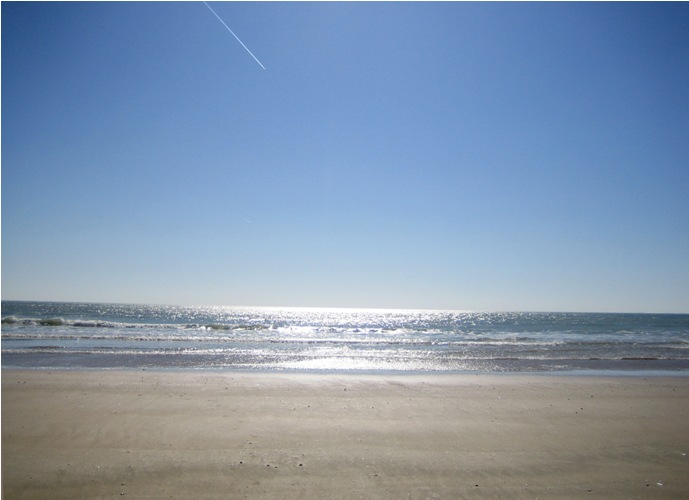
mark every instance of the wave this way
{"type": "Point", "coordinates": [228, 339]}
{"type": "Point", "coordinates": [290, 331]}
{"type": "Point", "coordinates": [232, 356]}
{"type": "Point", "coordinates": [19, 331]}
{"type": "Point", "coordinates": [13, 320]}
{"type": "Point", "coordinates": [52, 322]}
{"type": "Point", "coordinates": [319, 328]}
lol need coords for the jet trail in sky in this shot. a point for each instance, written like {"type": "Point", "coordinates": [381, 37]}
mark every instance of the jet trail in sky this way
{"type": "Point", "coordinates": [228, 29]}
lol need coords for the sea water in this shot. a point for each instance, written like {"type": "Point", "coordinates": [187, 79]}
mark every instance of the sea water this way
{"type": "Point", "coordinates": [86, 335]}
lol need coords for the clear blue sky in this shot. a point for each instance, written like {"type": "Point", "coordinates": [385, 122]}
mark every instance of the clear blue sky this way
{"type": "Point", "coordinates": [509, 156]}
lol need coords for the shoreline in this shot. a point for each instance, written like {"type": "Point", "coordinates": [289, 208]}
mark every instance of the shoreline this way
{"type": "Point", "coordinates": [230, 434]}
{"type": "Point", "coordinates": [581, 372]}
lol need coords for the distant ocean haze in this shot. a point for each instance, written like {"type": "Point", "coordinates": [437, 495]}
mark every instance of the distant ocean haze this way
{"type": "Point", "coordinates": [88, 335]}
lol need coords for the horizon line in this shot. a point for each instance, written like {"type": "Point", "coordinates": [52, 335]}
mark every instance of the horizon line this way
{"type": "Point", "coordinates": [349, 308]}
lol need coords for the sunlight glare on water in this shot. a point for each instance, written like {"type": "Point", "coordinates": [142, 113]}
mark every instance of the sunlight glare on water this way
{"type": "Point", "coordinates": [51, 334]}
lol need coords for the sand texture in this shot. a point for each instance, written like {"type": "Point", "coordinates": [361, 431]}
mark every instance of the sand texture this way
{"type": "Point", "coordinates": [143, 434]}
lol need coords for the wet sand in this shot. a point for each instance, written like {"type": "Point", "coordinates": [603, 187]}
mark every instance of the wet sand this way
{"type": "Point", "coordinates": [143, 434]}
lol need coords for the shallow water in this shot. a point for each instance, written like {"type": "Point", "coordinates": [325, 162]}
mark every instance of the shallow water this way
{"type": "Point", "coordinates": [82, 335]}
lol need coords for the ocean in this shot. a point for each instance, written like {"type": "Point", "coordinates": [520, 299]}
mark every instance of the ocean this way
{"type": "Point", "coordinates": [56, 335]}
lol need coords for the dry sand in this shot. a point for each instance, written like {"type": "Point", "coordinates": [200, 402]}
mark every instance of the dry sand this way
{"type": "Point", "coordinates": [143, 434]}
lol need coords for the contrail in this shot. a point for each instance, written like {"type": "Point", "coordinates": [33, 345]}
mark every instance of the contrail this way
{"type": "Point", "coordinates": [228, 29]}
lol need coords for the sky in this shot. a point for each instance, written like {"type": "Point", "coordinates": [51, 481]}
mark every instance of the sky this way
{"type": "Point", "coordinates": [467, 156]}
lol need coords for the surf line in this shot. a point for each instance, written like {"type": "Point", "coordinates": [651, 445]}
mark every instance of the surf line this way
{"type": "Point", "coordinates": [228, 29]}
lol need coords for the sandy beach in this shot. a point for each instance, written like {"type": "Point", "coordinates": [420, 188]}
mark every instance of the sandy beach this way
{"type": "Point", "coordinates": [145, 434]}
